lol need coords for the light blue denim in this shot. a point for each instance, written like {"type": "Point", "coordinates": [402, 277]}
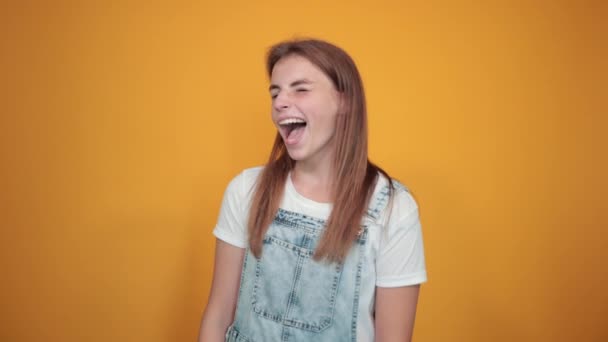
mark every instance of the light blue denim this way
{"type": "Point", "coordinates": [287, 296]}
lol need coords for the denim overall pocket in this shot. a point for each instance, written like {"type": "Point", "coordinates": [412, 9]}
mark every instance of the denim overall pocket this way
{"type": "Point", "coordinates": [290, 287]}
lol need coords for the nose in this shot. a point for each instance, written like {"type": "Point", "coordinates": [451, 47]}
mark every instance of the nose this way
{"type": "Point", "coordinates": [281, 101]}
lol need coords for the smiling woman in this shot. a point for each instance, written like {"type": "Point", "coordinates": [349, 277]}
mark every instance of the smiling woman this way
{"type": "Point", "coordinates": [319, 244]}
{"type": "Point", "coordinates": [305, 104]}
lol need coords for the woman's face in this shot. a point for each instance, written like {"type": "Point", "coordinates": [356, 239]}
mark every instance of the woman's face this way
{"type": "Point", "coordinates": [304, 108]}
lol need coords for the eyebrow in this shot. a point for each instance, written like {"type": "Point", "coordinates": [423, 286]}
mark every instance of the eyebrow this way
{"type": "Point", "coordinates": [293, 84]}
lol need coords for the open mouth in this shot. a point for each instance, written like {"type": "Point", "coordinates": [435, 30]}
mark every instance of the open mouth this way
{"type": "Point", "coordinates": [292, 129]}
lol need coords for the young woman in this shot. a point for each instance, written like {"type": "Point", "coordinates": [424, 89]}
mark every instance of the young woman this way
{"type": "Point", "coordinates": [319, 244]}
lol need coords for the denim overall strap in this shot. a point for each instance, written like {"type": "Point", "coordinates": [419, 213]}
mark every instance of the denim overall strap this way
{"type": "Point", "coordinates": [288, 296]}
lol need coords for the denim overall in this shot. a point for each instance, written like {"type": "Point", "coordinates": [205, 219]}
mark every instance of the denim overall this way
{"type": "Point", "coordinates": [287, 296]}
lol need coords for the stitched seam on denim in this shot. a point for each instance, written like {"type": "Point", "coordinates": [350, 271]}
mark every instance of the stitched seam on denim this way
{"type": "Point", "coordinates": [234, 335]}
{"type": "Point", "coordinates": [292, 219]}
{"type": "Point", "coordinates": [363, 236]}
{"type": "Point", "coordinates": [356, 296]}
{"type": "Point", "coordinates": [288, 246]}
{"type": "Point", "coordinates": [292, 294]}
{"type": "Point", "coordinates": [378, 203]}
{"type": "Point", "coordinates": [284, 333]}
{"type": "Point", "coordinates": [325, 323]}
{"type": "Point", "coordinates": [260, 311]}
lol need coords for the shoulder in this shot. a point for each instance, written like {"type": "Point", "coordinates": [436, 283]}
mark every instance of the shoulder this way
{"type": "Point", "coordinates": [251, 173]}
{"type": "Point", "coordinates": [402, 205]}
{"type": "Point", "coordinates": [244, 182]}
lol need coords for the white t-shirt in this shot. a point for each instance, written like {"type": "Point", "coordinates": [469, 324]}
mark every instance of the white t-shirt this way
{"type": "Point", "coordinates": [396, 249]}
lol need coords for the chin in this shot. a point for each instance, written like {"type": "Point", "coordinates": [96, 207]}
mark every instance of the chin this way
{"type": "Point", "coordinates": [296, 155]}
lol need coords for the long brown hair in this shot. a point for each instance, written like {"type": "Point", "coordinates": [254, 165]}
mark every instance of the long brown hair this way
{"type": "Point", "coordinates": [354, 175]}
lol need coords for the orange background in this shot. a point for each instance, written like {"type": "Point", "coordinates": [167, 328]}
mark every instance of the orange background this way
{"type": "Point", "coordinates": [122, 122]}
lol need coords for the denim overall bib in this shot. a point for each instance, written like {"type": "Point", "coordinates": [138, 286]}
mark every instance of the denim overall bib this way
{"type": "Point", "coordinates": [287, 296]}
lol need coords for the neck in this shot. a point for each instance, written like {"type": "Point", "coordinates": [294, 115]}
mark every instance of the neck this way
{"type": "Point", "coordinates": [314, 180]}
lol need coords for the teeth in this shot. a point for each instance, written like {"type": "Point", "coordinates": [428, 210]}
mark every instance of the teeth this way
{"type": "Point", "coordinates": [291, 121]}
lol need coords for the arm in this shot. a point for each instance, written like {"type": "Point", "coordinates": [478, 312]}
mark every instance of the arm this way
{"type": "Point", "coordinates": [221, 305]}
{"type": "Point", "coordinates": [395, 313]}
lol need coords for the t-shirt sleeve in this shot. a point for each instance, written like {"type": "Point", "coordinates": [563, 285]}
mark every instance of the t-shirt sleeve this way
{"type": "Point", "coordinates": [400, 260]}
{"type": "Point", "coordinates": [231, 225]}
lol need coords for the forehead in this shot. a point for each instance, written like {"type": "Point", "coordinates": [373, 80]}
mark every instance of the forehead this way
{"type": "Point", "coordinates": [296, 67]}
